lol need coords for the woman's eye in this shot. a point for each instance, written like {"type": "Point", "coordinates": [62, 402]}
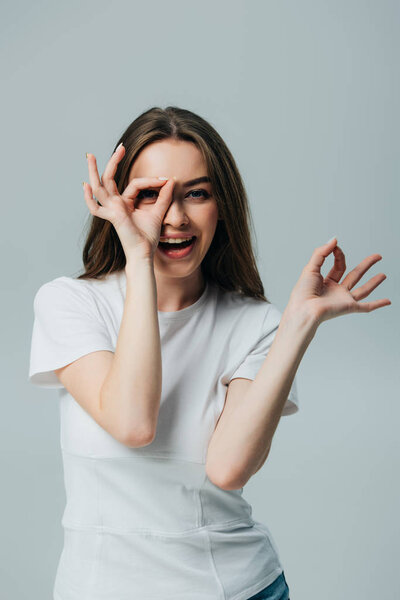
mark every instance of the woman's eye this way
{"type": "Point", "coordinates": [143, 194]}
{"type": "Point", "coordinates": [202, 192]}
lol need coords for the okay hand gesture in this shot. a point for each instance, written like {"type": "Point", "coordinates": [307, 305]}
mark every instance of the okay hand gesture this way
{"type": "Point", "coordinates": [326, 298]}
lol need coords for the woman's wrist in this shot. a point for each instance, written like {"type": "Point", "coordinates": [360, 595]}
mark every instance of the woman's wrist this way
{"type": "Point", "coordinates": [299, 322]}
{"type": "Point", "coordinates": [138, 261]}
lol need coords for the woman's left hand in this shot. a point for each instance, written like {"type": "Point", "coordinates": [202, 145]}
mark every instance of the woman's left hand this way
{"type": "Point", "coordinates": [326, 298]}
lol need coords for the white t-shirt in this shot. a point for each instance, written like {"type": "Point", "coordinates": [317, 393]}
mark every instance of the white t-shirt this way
{"type": "Point", "coordinates": [147, 523]}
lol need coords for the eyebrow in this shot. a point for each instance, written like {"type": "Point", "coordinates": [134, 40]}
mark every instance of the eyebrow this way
{"type": "Point", "coordinates": [196, 181]}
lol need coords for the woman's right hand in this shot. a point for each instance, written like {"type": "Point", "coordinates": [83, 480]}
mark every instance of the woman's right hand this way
{"type": "Point", "coordinates": [138, 230]}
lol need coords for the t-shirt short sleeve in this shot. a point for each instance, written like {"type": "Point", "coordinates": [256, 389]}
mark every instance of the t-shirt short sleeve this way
{"type": "Point", "coordinates": [255, 357]}
{"type": "Point", "coordinates": [67, 325]}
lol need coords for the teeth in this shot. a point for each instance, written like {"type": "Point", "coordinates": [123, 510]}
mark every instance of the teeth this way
{"type": "Point", "coordinates": [176, 240]}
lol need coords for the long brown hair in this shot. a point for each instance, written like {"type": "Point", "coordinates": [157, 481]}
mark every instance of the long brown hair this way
{"type": "Point", "coordinates": [230, 262]}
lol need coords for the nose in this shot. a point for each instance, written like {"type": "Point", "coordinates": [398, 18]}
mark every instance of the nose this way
{"type": "Point", "coordinates": [175, 215]}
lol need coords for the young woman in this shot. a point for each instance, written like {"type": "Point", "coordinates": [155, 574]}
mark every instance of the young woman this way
{"type": "Point", "coordinates": [174, 370]}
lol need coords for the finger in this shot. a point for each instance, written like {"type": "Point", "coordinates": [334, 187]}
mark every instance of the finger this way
{"type": "Point", "coordinates": [98, 190]}
{"type": "Point", "coordinates": [364, 290]}
{"type": "Point", "coordinates": [94, 208]}
{"type": "Point", "coordinates": [355, 275]}
{"type": "Point", "coordinates": [164, 199]}
{"type": "Point", "coordinates": [141, 183]}
{"type": "Point", "coordinates": [369, 306]}
{"type": "Point", "coordinates": [107, 178]}
{"type": "Point", "coordinates": [319, 255]}
{"type": "Point", "coordinates": [339, 265]}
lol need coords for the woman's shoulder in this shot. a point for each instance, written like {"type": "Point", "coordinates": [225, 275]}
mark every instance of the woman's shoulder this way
{"type": "Point", "coordinates": [247, 311]}
{"type": "Point", "coordinates": [64, 292]}
{"type": "Point", "coordinates": [236, 301]}
{"type": "Point", "coordinates": [61, 286]}
{"type": "Point", "coordinates": [70, 294]}
{"type": "Point", "coordinates": [66, 283]}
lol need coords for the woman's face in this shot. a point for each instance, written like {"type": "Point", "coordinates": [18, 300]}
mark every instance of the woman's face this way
{"type": "Point", "coordinates": [193, 209]}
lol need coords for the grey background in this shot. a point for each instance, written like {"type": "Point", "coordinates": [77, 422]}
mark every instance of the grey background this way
{"type": "Point", "coordinates": [306, 95]}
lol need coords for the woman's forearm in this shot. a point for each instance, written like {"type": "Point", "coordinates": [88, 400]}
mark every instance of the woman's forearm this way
{"type": "Point", "coordinates": [240, 444]}
{"type": "Point", "coordinates": [133, 383]}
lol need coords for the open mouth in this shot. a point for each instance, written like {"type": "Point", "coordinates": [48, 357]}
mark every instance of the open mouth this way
{"type": "Point", "coordinates": [177, 249]}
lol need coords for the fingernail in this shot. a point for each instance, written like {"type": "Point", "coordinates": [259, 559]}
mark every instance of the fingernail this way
{"type": "Point", "coordinates": [331, 240]}
{"type": "Point", "coordinates": [163, 178]}
{"type": "Point", "coordinates": [87, 155]}
{"type": "Point", "coordinates": [118, 147]}
{"type": "Point", "coordinates": [83, 183]}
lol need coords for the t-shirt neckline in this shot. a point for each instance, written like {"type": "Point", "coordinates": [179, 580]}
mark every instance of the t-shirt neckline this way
{"type": "Point", "coordinates": [184, 313]}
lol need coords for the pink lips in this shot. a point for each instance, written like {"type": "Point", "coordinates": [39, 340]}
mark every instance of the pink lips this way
{"type": "Point", "coordinates": [177, 253]}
